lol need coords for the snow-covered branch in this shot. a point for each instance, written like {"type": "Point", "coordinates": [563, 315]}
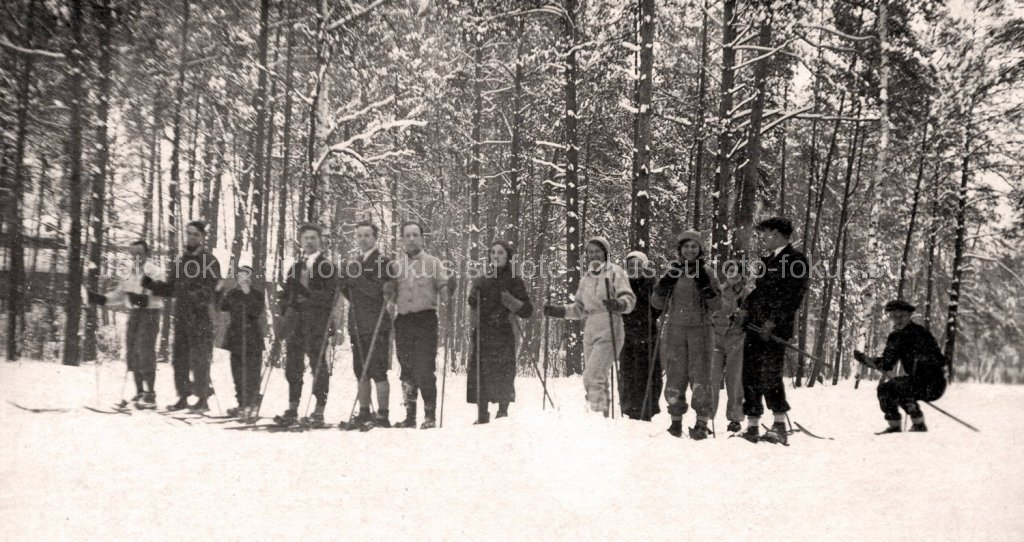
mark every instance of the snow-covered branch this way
{"type": "Point", "coordinates": [354, 15]}
{"type": "Point", "coordinates": [373, 130]}
{"type": "Point", "coordinates": [5, 42]}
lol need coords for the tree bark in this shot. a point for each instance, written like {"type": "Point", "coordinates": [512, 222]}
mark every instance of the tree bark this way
{"type": "Point", "coordinates": [77, 92]}
{"type": "Point", "coordinates": [915, 200]}
{"type": "Point", "coordinates": [698, 134]}
{"type": "Point", "coordinates": [574, 357]}
{"type": "Point", "coordinates": [720, 198]}
{"type": "Point", "coordinates": [750, 174]}
{"type": "Point", "coordinates": [640, 211]}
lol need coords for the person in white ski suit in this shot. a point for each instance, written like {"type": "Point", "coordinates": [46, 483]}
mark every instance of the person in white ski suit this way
{"type": "Point", "coordinates": [592, 303]}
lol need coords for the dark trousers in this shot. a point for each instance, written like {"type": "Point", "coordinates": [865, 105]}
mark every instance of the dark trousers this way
{"type": "Point", "coordinates": [307, 341]}
{"type": "Point", "coordinates": [193, 348]}
{"type": "Point", "coordinates": [246, 374]}
{"type": "Point", "coordinates": [762, 376]}
{"type": "Point", "coordinates": [377, 370]}
{"type": "Point", "coordinates": [143, 327]}
{"type": "Point", "coordinates": [416, 347]}
{"type": "Point", "coordinates": [906, 391]}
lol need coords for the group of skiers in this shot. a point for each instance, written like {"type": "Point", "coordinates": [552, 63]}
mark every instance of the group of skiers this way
{"type": "Point", "coordinates": [686, 330]}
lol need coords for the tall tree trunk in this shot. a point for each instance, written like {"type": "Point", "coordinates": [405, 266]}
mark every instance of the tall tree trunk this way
{"type": "Point", "coordinates": [640, 211]}
{"type": "Point", "coordinates": [698, 133]}
{"type": "Point", "coordinates": [837, 362]}
{"type": "Point", "coordinates": [826, 297]}
{"type": "Point", "coordinates": [720, 198]}
{"type": "Point", "coordinates": [286, 149]}
{"type": "Point", "coordinates": [104, 13]}
{"type": "Point", "coordinates": [257, 154]}
{"type": "Point", "coordinates": [750, 175]}
{"type": "Point", "coordinates": [16, 250]}
{"type": "Point", "coordinates": [783, 154]}
{"type": "Point", "coordinates": [318, 107]}
{"type": "Point", "coordinates": [217, 174]}
{"type": "Point", "coordinates": [574, 357]}
{"type": "Point", "coordinates": [148, 230]}
{"type": "Point", "coordinates": [915, 200]}
{"type": "Point", "coordinates": [516, 158]}
{"type": "Point", "coordinates": [475, 157]}
{"type": "Point", "coordinates": [174, 192]}
{"type": "Point", "coordinates": [874, 250]}
{"type": "Point", "coordinates": [77, 92]}
{"type": "Point", "coordinates": [933, 233]}
{"type": "Point", "coordinates": [956, 276]}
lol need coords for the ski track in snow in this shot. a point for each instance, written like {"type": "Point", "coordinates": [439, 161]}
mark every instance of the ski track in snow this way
{"type": "Point", "coordinates": [539, 474]}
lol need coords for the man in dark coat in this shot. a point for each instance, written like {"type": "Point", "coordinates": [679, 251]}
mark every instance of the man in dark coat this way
{"type": "Point", "coordinates": [913, 346]}
{"type": "Point", "coordinates": [192, 281]}
{"type": "Point", "coordinates": [637, 378]}
{"type": "Point", "coordinates": [309, 294]}
{"type": "Point", "coordinates": [769, 316]}
{"type": "Point", "coordinates": [366, 284]}
{"type": "Point", "coordinates": [244, 340]}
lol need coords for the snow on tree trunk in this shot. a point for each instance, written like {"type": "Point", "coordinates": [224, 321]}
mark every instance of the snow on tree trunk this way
{"type": "Point", "coordinates": [640, 211]}
{"type": "Point", "coordinates": [77, 92]}
{"type": "Point", "coordinates": [573, 362]}
{"type": "Point", "coordinates": [750, 175]}
{"type": "Point", "coordinates": [720, 198]}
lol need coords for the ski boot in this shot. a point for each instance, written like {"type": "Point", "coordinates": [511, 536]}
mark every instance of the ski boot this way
{"type": "Point", "coordinates": [429, 420]}
{"type": "Point", "coordinates": [752, 434]}
{"type": "Point", "coordinates": [410, 419]}
{"type": "Point", "coordinates": [234, 412]}
{"type": "Point", "coordinates": [482, 418]}
{"type": "Point", "coordinates": [734, 427]}
{"type": "Point", "coordinates": [357, 421]}
{"type": "Point", "coordinates": [428, 423]}
{"type": "Point", "coordinates": [200, 406]}
{"type": "Point", "coordinates": [379, 420]}
{"type": "Point", "coordinates": [314, 420]}
{"type": "Point", "coordinates": [288, 419]}
{"type": "Point", "coordinates": [700, 430]}
{"type": "Point", "coordinates": [502, 411]}
{"type": "Point", "coordinates": [182, 404]}
{"type": "Point", "coordinates": [777, 434]}
{"type": "Point", "coordinates": [890, 429]}
{"type": "Point", "coordinates": [148, 401]}
{"type": "Point", "coordinates": [676, 429]}
{"type": "Point", "coordinates": [918, 428]}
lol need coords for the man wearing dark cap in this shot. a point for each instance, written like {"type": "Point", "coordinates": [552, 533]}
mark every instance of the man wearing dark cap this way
{"type": "Point", "coordinates": [912, 345]}
{"type": "Point", "coordinates": [769, 316]}
{"type": "Point", "coordinates": [192, 282]}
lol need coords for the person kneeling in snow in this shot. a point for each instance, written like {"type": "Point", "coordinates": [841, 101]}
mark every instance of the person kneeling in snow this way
{"type": "Point", "coordinates": [914, 346]}
{"type": "Point", "coordinates": [689, 295]}
{"type": "Point", "coordinates": [601, 342]}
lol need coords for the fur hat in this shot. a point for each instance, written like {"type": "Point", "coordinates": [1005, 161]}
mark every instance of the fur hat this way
{"type": "Point", "coordinates": [601, 242]}
{"type": "Point", "coordinates": [899, 305]}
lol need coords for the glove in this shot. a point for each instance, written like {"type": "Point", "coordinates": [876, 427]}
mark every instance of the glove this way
{"type": "Point", "coordinates": [766, 331]}
{"type": "Point", "coordinates": [860, 356]}
{"type": "Point", "coordinates": [614, 305]}
{"type": "Point", "coordinates": [554, 311]}
{"type": "Point", "coordinates": [510, 302]}
{"type": "Point", "coordinates": [139, 301]}
{"type": "Point", "coordinates": [147, 282]}
{"type": "Point", "coordinates": [96, 298]}
{"type": "Point", "coordinates": [668, 281]}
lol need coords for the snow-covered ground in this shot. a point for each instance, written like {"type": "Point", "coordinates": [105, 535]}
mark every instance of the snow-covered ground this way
{"type": "Point", "coordinates": [558, 474]}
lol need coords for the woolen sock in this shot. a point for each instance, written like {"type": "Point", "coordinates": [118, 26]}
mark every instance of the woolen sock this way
{"type": "Point", "coordinates": [677, 418]}
{"type": "Point", "coordinates": [894, 423]}
{"type": "Point", "coordinates": [703, 419]}
{"type": "Point", "coordinates": [917, 421]}
{"type": "Point", "coordinates": [753, 421]}
{"type": "Point", "coordinates": [780, 417]}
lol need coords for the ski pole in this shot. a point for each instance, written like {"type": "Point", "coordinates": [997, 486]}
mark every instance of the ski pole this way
{"type": "Point", "coordinates": [323, 351]}
{"type": "Point", "coordinates": [779, 340]}
{"type": "Point", "coordinates": [546, 397]}
{"type": "Point", "coordinates": [544, 375]}
{"type": "Point", "coordinates": [615, 349]}
{"type": "Point", "coordinates": [479, 366]}
{"type": "Point", "coordinates": [653, 345]}
{"type": "Point", "coordinates": [369, 356]}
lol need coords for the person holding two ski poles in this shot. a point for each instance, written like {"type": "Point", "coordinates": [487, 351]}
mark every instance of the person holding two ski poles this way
{"type": "Point", "coordinates": [601, 299]}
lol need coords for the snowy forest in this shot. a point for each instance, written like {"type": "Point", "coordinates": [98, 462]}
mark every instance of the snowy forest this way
{"type": "Point", "coordinates": [888, 131]}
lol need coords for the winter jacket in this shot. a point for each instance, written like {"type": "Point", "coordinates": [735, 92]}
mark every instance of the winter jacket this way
{"type": "Point", "coordinates": [245, 311]}
{"type": "Point", "coordinates": [310, 290]}
{"type": "Point", "coordinates": [916, 349]}
{"type": "Point", "coordinates": [687, 305]}
{"type": "Point", "coordinates": [732, 297]}
{"type": "Point", "coordinates": [590, 296]}
{"type": "Point", "coordinates": [779, 291]}
{"type": "Point", "coordinates": [192, 281]}
{"type": "Point", "coordinates": [130, 293]}
{"type": "Point", "coordinates": [364, 284]}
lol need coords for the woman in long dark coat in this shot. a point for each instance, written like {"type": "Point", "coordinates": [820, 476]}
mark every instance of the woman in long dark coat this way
{"type": "Point", "coordinates": [496, 299]}
{"type": "Point", "coordinates": [641, 327]}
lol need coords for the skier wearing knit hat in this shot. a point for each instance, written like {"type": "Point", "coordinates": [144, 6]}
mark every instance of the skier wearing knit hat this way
{"type": "Point", "coordinates": [689, 295]}
{"type": "Point", "coordinates": [592, 303]}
